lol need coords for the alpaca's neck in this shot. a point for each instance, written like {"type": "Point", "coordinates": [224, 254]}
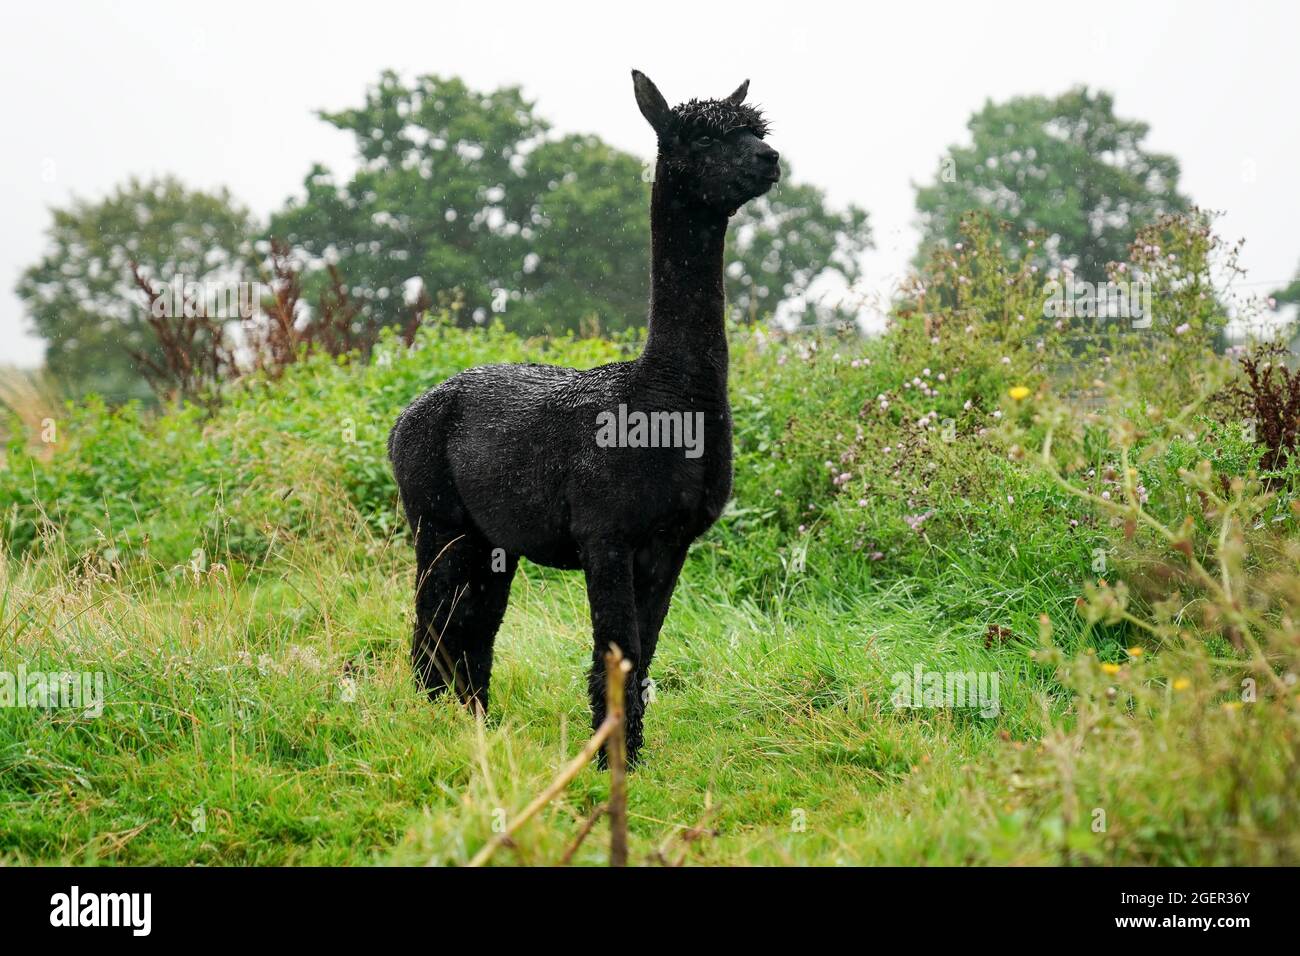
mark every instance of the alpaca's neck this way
{"type": "Point", "coordinates": [686, 332]}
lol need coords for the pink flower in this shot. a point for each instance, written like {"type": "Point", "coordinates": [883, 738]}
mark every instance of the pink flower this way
{"type": "Point", "coordinates": [915, 521]}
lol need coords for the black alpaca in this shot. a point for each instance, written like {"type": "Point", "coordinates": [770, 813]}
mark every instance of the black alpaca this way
{"type": "Point", "coordinates": [505, 461]}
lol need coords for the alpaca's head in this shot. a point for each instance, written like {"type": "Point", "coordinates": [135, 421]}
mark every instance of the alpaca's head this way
{"type": "Point", "coordinates": [711, 151]}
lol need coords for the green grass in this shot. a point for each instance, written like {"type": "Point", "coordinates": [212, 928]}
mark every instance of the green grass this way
{"type": "Point", "coordinates": [226, 702]}
{"type": "Point", "coordinates": [243, 581]}
{"type": "Point", "coordinates": [229, 697]}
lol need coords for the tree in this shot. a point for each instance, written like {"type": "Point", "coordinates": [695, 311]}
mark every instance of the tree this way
{"type": "Point", "coordinates": [440, 195]}
{"type": "Point", "coordinates": [587, 267]}
{"type": "Point", "coordinates": [81, 296]}
{"type": "Point", "coordinates": [469, 191]}
{"type": "Point", "coordinates": [1067, 167]}
{"type": "Point", "coordinates": [1289, 294]}
{"type": "Point", "coordinates": [784, 242]}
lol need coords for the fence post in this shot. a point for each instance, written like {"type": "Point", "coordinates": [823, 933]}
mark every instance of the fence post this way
{"type": "Point", "coordinates": [612, 735]}
{"type": "Point", "coordinates": [616, 669]}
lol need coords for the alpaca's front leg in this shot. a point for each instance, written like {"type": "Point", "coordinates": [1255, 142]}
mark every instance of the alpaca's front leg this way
{"type": "Point", "coordinates": [613, 621]}
{"type": "Point", "coordinates": [656, 569]}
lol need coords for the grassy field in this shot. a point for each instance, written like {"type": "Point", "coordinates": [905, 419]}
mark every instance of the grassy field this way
{"type": "Point", "coordinates": [1101, 540]}
{"type": "Point", "coordinates": [283, 707]}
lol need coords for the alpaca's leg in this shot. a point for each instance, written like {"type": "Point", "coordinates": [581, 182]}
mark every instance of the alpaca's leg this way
{"type": "Point", "coordinates": [489, 589]}
{"type": "Point", "coordinates": [461, 597]}
{"type": "Point", "coordinates": [655, 574]}
{"type": "Point", "coordinates": [432, 666]}
{"type": "Point", "coordinates": [613, 620]}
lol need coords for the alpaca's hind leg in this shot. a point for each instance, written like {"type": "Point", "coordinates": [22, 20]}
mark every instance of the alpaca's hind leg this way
{"type": "Point", "coordinates": [461, 597]}
{"type": "Point", "coordinates": [433, 668]}
{"type": "Point", "coordinates": [491, 574]}
{"type": "Point", "coordinates": [613, 620]}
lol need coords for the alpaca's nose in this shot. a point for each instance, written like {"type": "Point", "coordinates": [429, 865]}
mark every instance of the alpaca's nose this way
{"type": "Point", "coordinates": [768, 154]}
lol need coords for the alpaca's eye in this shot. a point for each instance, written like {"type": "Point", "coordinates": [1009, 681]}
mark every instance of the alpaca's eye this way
{"type": "Point", "coordinates": [704, 141]}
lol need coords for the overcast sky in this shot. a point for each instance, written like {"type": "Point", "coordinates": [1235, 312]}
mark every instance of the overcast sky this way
{"type": "Point", "coordinates": [863, 99]}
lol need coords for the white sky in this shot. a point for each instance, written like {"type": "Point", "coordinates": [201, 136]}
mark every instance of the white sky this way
{"type": "Point", "coordinates": [863, 100]}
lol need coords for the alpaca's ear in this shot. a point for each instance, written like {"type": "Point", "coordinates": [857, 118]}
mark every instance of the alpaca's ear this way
{"type": "Point", "coordinates": [738, 97]}
{"type": "Point", "coordinates": [653, 105]}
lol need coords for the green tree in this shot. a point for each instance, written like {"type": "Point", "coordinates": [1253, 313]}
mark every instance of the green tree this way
{"type": "Point", "coordinates": [587, 262]}
{"type": "Point", "coordinates": [440, 195]}
{"type": "Point", "coordinates": [81, 297]}
{"type": "Point", "coordinates": [782, 243]}
{"type": "Point", "coordinates": [1289, 293]}
{"type": "Point", "coordinates": [1065, 166]}
{"type": "Point", "coordinates": [469, 191]}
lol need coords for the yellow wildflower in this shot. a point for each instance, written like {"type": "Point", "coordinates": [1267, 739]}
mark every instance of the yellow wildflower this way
{"type": "Point", "coordinates": [1018, 392]}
